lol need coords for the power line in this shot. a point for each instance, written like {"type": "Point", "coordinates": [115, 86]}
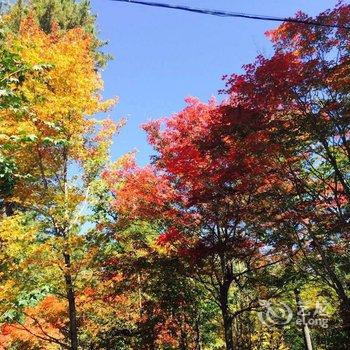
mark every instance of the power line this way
{"type": "Point", "coordinates": [231, 14]}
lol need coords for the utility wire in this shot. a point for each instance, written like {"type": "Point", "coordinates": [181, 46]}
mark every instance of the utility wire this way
{"type": "Point", "coordinates": [231, 14]}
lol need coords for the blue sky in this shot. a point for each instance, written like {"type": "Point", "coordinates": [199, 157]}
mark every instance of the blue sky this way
{"type": "Point", "coordinates": [163, 55]}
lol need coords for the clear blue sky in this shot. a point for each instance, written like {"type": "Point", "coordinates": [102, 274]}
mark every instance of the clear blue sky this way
{"type": "Point", "coordinates": [163, 55]}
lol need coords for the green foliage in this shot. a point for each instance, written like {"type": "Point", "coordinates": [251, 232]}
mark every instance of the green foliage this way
{"type": "Point", "coordinates": [68, 14]}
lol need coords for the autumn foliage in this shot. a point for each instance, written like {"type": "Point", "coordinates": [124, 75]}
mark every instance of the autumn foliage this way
{"type": "Point", "coordinates": [245, 202]}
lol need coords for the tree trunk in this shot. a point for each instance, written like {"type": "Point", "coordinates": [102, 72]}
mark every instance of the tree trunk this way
{"type": "Point", "coordinates": [227, 329]}
{"type": "Point", "coordinates": [226, 317]}
{"type": "Point", "coordinates": [224, 292]}
{"type": "Point", "coordinates": [73, 326]}
{"type": "Point", "coordinates": [304, 325]}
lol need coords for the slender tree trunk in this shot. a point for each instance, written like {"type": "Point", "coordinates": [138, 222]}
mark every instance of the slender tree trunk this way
{"type": "Point", "coordinates": [72, 311]}
{"type": "Point", "coordinates": [304, 325]}
{"type": "Point", "coordinates": [226, 317]}
{"type": "Point", "coordinates": [226, 271]}
{"type": "Point", "coordinates": [227, 329]}
{"type": "Point", "coordinates": [73, 326]}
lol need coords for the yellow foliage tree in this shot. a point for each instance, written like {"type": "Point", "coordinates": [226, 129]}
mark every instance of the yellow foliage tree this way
{"type": "Point", "coordinates": [54, 134]}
